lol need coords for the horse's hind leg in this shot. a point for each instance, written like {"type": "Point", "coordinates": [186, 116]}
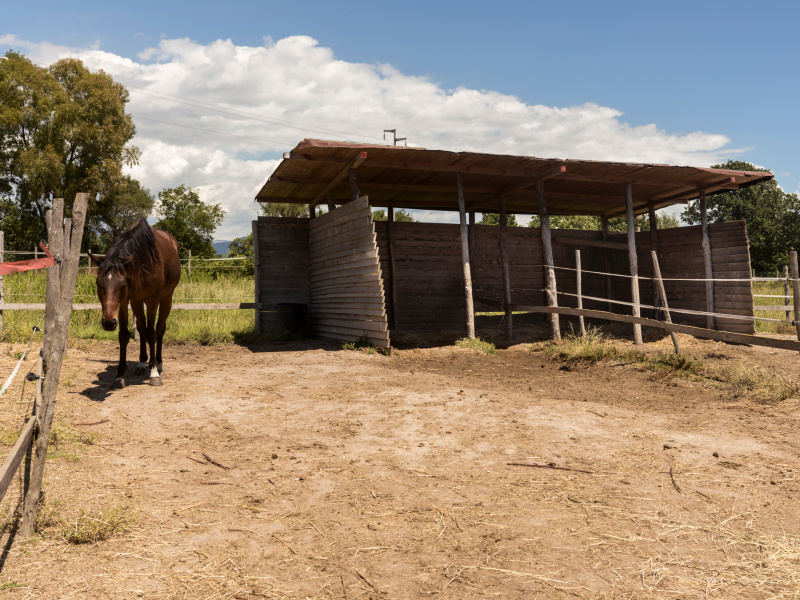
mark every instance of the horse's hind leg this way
{"type": "Point", "coordinates": [152, 309]}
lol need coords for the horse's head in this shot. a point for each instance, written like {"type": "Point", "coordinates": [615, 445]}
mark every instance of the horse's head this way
{"type": "Point", "coordinates": [112, 289]}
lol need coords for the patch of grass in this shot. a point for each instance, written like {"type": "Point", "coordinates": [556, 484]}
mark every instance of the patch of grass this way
{"type": "Point", "coordinates": [752, 381]}
{"type": "Point", "coordinates": [677, 362]}
{"type": "Point", "coordinates": [478, 345]}
{"type": "Point", "coordinates": [96, 526]}
{"type": "Point", "coordinates": [591, 348]}
{"type": "Point", "coordinates": [363, 344]}
{"type": "Point", "coordinates": [10, 585]}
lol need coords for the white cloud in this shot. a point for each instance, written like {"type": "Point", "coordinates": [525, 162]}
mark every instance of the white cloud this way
{"type": "Point", "coordinates": [296, 80]}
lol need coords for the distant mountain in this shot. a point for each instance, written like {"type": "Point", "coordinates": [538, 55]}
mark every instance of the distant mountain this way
{"type": "Point", "coordinates": [221, 246]}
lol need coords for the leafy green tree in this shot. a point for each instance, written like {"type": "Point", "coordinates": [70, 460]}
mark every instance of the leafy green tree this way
{"type": "Point", "coordinates": [280, 209]}
{"type": "Point", "coordinates": [190, 220]}
{"type": "Point", "coordinates": [494, 219]}
{"type": "Point", "coordinates": [618, 224]}
{"type": "Point", "coordinates": [243, 246]}
{"type": "Point", "coordinates": [772, 216]}
{"type": "Point", "coordinates": [63, 130]}
{"type": "Point", "coordinates": [400, 215]}
{"type": "Point", "coordinates": [115, 212]}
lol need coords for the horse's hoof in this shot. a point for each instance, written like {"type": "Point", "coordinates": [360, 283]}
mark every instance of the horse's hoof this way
{"type": "Point", "coordinates": [156, 381]}
{"type": "Point", "coordinates": [118, 383]}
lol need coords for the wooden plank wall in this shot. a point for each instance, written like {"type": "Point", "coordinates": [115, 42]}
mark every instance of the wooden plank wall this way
{"type": "Point", "coordinates": [430, 279]}
{"type": "Point", "coordinates": [283, 270]}
{"type": "Point", "coordinates": [431, 287]}
{"type": "Point", "coordinates": [347, 296]}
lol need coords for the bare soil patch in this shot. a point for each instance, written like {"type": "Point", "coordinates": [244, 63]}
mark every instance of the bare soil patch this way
{"type": "Point", "coordinates": [306, 471]}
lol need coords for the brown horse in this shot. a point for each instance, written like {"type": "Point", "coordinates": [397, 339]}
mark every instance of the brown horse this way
{"type": "Point", "coordinates": [141, 267]}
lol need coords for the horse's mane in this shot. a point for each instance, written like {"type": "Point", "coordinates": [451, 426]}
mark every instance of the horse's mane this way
{"type": "Point", "coordinates": [138, 244]}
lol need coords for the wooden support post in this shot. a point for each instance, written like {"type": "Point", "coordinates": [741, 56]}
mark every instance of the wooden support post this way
{"type": "Point", "coordinates": [607, 259]}
{"type": "Point", "coordinates": [651, 214]}
{"type": "Point", "coordinates": [392, 269]}
{"type": "Point", "coordinates": [52, 361]}
{"type": "Point", "coordinates": [547, 252]}
{"type": "Point", "coordinates": [354, 183]}
{"type": "Point", "coordinates": [331, 203]}
{"type": "Point", "coordinates": [257, 276]}
{"type": "Point", "coordinates": [312, 211]}
{"type": "Point", "coordinates": [786, 299]}
{"type": "Point", "coordinates": [472, 251]}
{"type": "Point", "coordinates": [189, 265]}
{"type": "Point", "coordinates": [709, 270]}
{"type": "Point", "coordinates": [663, 293]}
{"type": "Point", "coordinates": [634, 263]}
{"type": "Point", "coordinates": [506, 276]}
{"type": "Point", "coordinates": [795, 290]}
{"type": "Point", "coordinates": [578, 290]}
{"type": "Point", "coordinates": [462, 211]}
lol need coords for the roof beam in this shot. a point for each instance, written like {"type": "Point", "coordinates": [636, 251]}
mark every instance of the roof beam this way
{"type": "Point", "coordinates": [344, 174]}
{"type": "Point", "coordinates": [681, 196]}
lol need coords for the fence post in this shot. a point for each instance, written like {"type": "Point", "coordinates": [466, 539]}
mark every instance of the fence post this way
{"type": "Point", "coordinates": [2, 299]}
{"type": "Point", "coordinates": [795, 290]}
{"type": "Point", "coordinates": [578, 290]}
{"type": "Point", "coordinates": [663, 293]}
{"type": "Point", "coordinates": [61, 306]}
{"type": "Point", "coordinates": [189, 266]}
{"type": "Point", "coordinates": [786, 290]}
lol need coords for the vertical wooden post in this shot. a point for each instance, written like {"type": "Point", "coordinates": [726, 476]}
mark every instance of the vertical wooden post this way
{"type": "Point", "coordinates": [331, 203]}
{"type": "Point", "coordinates": [660, 284]}
{"type": "Point", "coordinates": [651, 215]}
{"type": "Point", "coordinates": [634, 263]}
{"type": "Point", "coordinates": [607, 259]}
{"type": "Point", "coordinates": [189, 265]}
{"type": "Point", "coordinates": [709, 270]}
{"type": "Point", "coordinates": [311, 212]}
{"type": "Point", "coordinates": [257, 276]}
{"type": "Point", "coordinates": [2, 248]}
{"type": "Point", "coordinates": [547, 252]}
{"type": "Point", "coordinates": [392, 269]}
{"type": "Point", "coordinates": [795, 290]}
{"type": "Point", "coordinates": [785, 290]}
{"type": "Point", "coordinates": [578, 290]}
{"type": "Point", "coordinates": [462, 212]}
{"type": "Point", "coordinates": [506, 275]}
{"type": "Point", "coordinates": [472, 252]}
{"type": "Point", "coordinates": [354, 184]}
{"type": "Point", "coordinates": [54, 358]}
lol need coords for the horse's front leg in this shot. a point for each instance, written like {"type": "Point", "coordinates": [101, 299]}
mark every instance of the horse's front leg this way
{"type": "Point", "coordinates": [137, 307]}
{"type": "Point", "coordinates": [152, 310]}
{"type": "Point", "coordinates": [161, 327]}
{"type": "Point", "coordinates": [124, 338]}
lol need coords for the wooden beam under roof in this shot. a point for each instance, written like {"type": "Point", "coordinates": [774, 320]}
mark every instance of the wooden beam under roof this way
{"type": "Point", "coordinates": [344, 174]}
{"type": "Point", "coordinates": [673, 198]}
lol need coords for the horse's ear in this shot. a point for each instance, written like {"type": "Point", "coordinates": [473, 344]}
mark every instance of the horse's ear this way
{"type": "Point", "coordinates": [94, 258]}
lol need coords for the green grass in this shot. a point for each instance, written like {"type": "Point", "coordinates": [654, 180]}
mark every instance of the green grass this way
{"type": "Point", "coordinates": [478, 345]}
{"type": "Point", "coordinates": [204, 326]}
{"type": "Point", "coordinates": [772, 288]}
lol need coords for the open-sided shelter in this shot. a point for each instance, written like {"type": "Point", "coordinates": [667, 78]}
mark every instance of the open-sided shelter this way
{"type": "Point", "coordinates": [362, 278]}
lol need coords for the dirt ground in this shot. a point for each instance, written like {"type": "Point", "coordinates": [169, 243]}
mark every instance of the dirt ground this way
{"type": "Point", "coordinates": [302, 470]}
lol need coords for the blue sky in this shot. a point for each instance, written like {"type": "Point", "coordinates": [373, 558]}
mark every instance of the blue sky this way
{"type": "Point", "coordinates": [721, 69]}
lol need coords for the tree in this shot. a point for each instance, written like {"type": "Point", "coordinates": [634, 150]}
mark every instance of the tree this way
{"type": "Point", "coordinates": [772, 216]}
{"type": "Point", "coordinates": [243, 246]}
{"type": "Point", "coordinates": [116, 211]}
{"type": "Point", "coordinates": [494, 219]}
{"type": "Point", "coordinates": [400, 215]}
{"type": "Point", "coordinates": [618, 224]}
{"type": "Point", "coordinates": [280, 209]}
{"type": "Point", "coordinates": [190, 220]}
{"type": "Point", "coordinates": [63, 130]}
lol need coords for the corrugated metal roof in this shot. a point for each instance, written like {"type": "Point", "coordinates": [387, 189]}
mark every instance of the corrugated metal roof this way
{"type": "Point", "coordinates": [402, 177]}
